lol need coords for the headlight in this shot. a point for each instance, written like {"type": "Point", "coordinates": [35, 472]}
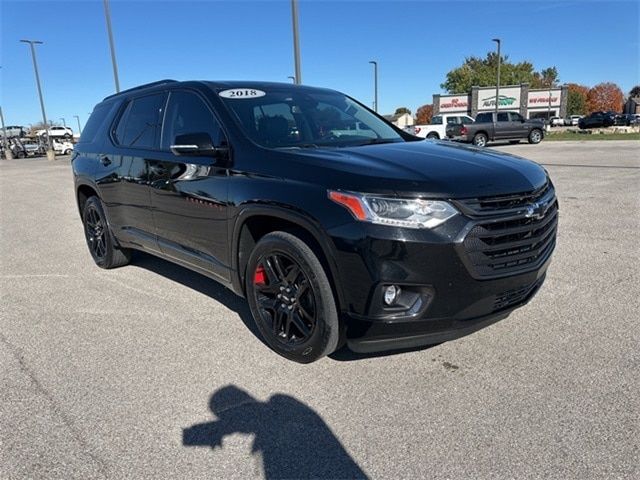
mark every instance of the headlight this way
{"type": "Point", "coordinates": [398, 212]}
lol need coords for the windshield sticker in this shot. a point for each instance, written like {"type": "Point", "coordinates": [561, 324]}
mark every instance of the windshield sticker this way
{"type": "Point", "coordinates": [242, 93]}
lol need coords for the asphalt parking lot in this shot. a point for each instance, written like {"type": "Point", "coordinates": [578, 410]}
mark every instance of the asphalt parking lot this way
{"type": "Point", "coordinates": [151, 371]}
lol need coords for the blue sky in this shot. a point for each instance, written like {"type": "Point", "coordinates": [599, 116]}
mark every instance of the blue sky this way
{"type": "Point", "coordinates": [416, 44]}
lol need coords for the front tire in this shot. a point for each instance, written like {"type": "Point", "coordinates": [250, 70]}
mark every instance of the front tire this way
{"type": "Point", "coordinates": [99, 238]}
{"type": "Point", "coordinates": [480, 140]}
{"type": "Point", "coordinates": [535, 136]}
{"type": "Point", "coordinates": [291, 299]}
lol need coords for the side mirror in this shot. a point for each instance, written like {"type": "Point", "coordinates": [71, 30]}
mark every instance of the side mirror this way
{"type": "Point", "coordinates": [197, 145]}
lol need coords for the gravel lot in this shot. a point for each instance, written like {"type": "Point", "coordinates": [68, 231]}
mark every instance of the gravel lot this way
{"type": "Point", "coordinates": [100, 371]}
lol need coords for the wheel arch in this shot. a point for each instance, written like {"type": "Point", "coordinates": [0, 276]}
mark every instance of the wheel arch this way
{"type": "Point", "coordinates": [255, 222]}
{"type": "Point", "coordinates": [83, 192]}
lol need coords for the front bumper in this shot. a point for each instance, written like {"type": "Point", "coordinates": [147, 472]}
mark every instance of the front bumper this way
{"type": "Point", "coordinates": [454, 300]}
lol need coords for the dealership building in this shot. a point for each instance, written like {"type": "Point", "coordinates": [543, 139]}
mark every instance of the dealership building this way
{"type": "Point", "coordinates": [530, 103]}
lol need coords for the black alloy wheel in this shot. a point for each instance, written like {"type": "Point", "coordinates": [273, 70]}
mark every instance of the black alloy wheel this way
{"type": "Point", "coordinates": [285, 298]}
{"type": "Point", "coordinates": [291, 299]}
{"type": "Point", "coordinates": [99, 239]}
{"type": "Point", "coordinates": [95, 232]}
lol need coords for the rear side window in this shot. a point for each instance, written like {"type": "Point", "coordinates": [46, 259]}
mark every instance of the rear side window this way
{"type": "Point", "coordinates": [138, 124]}
{"type": "Point", "coordinates": [437, 120]}
{"type": "Point", "coordinates": [187, 113]}
{"type": "Point", "coordinates": [484, 117]}
{"type": "Point", "coordinates": [94, 123]}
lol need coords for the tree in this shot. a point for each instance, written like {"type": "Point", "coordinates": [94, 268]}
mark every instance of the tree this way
{"type": "Point", "coordinates": [401, 110]}
{"type": "Point", "coordinates": [577, 99]}
{"type": "Point", "coordinates": [635, 91]}
{"type": "Point", "coordinates": [482, 72]}
{"type": "Point", "coordinates": [606, 97]}
{"type": "Point", "coordinates": [424, 114]}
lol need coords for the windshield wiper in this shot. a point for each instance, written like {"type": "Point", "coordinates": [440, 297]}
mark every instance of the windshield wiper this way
{"type": "Point", "coordinates": [377, 141]}
{"type": "Point", "coordinates": [301, 145]}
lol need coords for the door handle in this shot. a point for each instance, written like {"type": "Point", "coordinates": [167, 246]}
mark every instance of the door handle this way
{"type": "Point", "coordinates": [104, 160]}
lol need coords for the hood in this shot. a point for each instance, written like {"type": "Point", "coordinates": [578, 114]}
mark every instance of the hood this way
{"type": "Point", "coordinates": [437, 169]}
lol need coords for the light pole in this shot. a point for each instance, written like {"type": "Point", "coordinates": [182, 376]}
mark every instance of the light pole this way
{"type": "Point", "coordinates": [78, 119]}
{"type": "Point", "coordinates": [375, 85]}
{"type": "Point", "coordinates": [107, 14]}
{"type": "Point", "coordinates": [296, 41]}
{"type": "Point", "coordinates": [8, 154]}
{"type": "Point", "coordinates": [50, 153]}
{"type": "Point", "coordinates": [293, 79]}
{"type": "Point", "coordinates": [497, 40]}
{"type": "Point", "coordinates": [64, 122]}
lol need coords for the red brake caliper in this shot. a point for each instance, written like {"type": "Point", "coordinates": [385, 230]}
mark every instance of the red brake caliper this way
{"type": "Point", "coordinates": [259, 276]}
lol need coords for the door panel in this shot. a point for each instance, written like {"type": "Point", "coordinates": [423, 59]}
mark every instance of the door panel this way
{"type": "Point", "coordinates": [189, 193]}
{"type": "Point", "coordinates": [190, 213]}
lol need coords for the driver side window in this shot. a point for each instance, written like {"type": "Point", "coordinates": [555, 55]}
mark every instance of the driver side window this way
{"type": "Point", "coordinates": [187, 113]}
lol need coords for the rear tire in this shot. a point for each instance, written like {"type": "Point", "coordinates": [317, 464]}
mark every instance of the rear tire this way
{"type": "Point", "coordinates": [535, 136]}
{"type": "Point", "coordinates": [99, 238]}
{"type": "Point", "coordinates": [433, 136]}
{"type": "Point", "coordinates": [291, 299]}
{"type": "Point", "coordinates": [480, 140]}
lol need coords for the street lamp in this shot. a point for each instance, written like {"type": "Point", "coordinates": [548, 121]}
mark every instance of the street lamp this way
{"type": "Point", "coordinates": [375, 85]}
{"type": "Point", "coordinates": [497, 40]}
{"type": "Point", "coordinates": [293, 79]}
{"type": "Point", "coordinates": [64, 122]}
{"type": "Point", "coordinates": [296, 41]}
{"type": "Point", "coordinates": [50, 153]}
{"type": "Point", "coordinates": [107, 15]}
{"type": "Point", "coordinates": [78, 119]}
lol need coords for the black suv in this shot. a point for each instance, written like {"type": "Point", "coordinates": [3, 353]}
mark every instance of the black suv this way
{"type": "Point", "coordinates": [335, 225]}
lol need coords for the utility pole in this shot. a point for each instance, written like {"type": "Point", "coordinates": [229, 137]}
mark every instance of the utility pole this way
{"type": "Point", "coordinates": [375, 85]}
{"type": "Point", "coordinates": [78, 119]}
{"type": "Point", "coordinates": [107, 14]}
{"type": "Point", "coordinates": [50, 153]}
{"type": "Point", "coordinates": [497, 40]}
{"type": "Point", "coordinates": [64, 122]}
{"type": "Point", "coordinates": [296, 41]}
{"type": "Point", "coordinates": [8, 154]}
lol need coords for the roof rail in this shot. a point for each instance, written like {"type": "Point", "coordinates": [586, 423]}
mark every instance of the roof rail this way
{"type": "Point", "coordinates": [140, 87]}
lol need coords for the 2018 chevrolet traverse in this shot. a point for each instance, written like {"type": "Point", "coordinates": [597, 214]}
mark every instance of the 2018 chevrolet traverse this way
{"type": "Point", "coordinates": [334, 224]}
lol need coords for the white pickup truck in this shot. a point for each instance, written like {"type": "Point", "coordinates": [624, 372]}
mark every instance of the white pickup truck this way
{"type": "Point", "coordinates": [436, 129]}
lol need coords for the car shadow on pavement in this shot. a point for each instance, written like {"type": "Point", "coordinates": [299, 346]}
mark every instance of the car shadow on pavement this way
{"type": "Point", "coordinates": [290, 437]}
{"type": "Point", "coordinates": [199, 283]}
{"type": "Point", "coordinates": [230, 300]}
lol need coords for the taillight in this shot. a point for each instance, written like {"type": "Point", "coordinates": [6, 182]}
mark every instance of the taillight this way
{"type": "Point", "coordinates": [463, 130]}
{"type": "Point", "coordinates": [416, 130]}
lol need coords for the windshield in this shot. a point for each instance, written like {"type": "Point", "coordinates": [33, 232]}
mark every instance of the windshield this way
{"type": "Point", "coordinates": [294, 117]}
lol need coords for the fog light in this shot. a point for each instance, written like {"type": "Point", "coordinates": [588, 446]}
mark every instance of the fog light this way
{"type": "Point", "coordinates": [391, 294]}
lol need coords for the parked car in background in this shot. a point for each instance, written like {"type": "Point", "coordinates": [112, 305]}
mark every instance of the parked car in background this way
{"type": "Point", "coordinates": [62, 147]}
{"type": "Point", "coordinates": [33, 149]}
{"type": "Point", "coordinates": [631, 119]}
{"type": "Point", "coordinates": [574, 119]}
{"type": "Point", "coordinates": [437, 128]}
{"type": "Point", "coordinates": [487, 128]}
{"type": "Point", "coordinates": [13, 131]}
{"type": "Point", "coordinates": [57, 132]}
{"type": "Point", "coordinates": [556, 122]}
{"type": "Point", "coordinates": [597, 120]}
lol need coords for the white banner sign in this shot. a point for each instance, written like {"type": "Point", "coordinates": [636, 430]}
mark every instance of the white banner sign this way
{"type": "Point", "coordinates": [541, 98]}
{"type": "Point", "coordinates": [509, 99]}
{"type": "Point", "coordinates": [454, 103]}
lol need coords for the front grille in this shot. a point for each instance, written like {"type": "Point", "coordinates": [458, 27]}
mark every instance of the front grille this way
{"type": "Point", "coordinates": [520, 236]}
{"type": "Point", "coordinates": [504, 204]}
